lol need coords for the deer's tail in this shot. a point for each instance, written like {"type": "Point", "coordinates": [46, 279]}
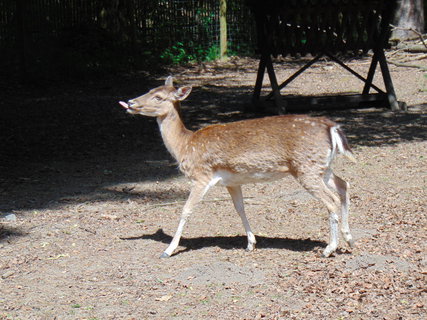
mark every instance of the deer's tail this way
{"type": "Point", "coordinates": [340, 143]}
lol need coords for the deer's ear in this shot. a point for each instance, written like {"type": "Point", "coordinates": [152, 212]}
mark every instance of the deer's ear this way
{"type": "Point", "coordinates": [182, 93]}
{"type": "Point", "coordinates": [169, 81]}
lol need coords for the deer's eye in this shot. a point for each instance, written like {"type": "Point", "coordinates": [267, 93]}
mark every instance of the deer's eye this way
{"type": "Point", "coordinates": [158, 98]}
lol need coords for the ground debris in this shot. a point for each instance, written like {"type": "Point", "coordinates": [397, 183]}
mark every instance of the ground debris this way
{"type": "Point", "coordinates": [78, 176]}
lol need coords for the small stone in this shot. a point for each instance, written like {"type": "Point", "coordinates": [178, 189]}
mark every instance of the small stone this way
{"type": "Point", "coordinates": [8, 216]}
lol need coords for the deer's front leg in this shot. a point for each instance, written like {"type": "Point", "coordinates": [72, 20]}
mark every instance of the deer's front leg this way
{"type": "Point", "coordinates": [197, 192]}
{"type": "Point", "coordinates": [236, 195]}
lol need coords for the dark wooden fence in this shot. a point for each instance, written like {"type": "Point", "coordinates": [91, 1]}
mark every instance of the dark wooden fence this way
{"type": "Point", "coordinates": [40, 34]}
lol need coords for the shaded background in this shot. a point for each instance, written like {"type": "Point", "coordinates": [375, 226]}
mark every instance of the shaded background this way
{"type": "Point", "coordinates": [63, 39]}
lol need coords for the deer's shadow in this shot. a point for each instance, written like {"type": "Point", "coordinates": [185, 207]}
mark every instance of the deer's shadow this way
{"type": "Point", "coordinates": [233, 242]}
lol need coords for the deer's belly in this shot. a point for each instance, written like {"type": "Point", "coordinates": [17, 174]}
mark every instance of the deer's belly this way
{"type": "Point", "coordinates": [228, 178]}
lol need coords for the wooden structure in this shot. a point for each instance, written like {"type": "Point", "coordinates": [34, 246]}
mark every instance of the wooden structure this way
{"type": "Point", "coordinates": [324, 28]}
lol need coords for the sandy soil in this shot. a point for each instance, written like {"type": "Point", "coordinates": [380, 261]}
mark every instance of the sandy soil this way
{"type": "Point", "coordinates": [90, 199]}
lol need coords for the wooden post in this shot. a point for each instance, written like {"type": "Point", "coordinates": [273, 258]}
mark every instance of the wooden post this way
{"type": "Point", "coordinates": [391, 94]}
{"type": "Point", "coordinates": [223, 30]}
{"type": "Point", "coordinates": [20, 39]}
{"type": "Point", "coordinates": [259, 79]}
{"type": "Point", "coordinates": [280, 104]}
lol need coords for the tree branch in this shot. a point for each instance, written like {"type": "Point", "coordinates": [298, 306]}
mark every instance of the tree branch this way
{"type": "Point", "coordinates": [419, 34]}
{"type": "Point", "coordinates": [407, 65]}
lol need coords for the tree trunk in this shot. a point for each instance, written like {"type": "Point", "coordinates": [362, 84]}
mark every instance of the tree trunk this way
{"type": "Point", "coordinates": [223, 29]}
{"type": "Point", "coordinates": [409, 15]}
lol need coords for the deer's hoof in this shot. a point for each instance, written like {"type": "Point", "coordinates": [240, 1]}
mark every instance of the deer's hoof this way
{"type": "Point", "coordinates": [350, 243]}
{"type": "Point", "coordinates": [164, 255]}
{"type": "Point", "coordinates": [328, 252]}
{"type": "Point", "coordinates": [348, 239]}
{"type": "Point", "coordinates": [250, 248]}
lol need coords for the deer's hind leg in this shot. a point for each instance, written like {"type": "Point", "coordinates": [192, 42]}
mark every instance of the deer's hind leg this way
{"type": "Point", "coordinates": [314, 183]}
{"type": "Point", "coordinates": [340, 187]}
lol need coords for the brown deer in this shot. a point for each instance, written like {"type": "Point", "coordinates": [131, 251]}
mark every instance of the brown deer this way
{"type": "Point", "coordinates": [249, 151]}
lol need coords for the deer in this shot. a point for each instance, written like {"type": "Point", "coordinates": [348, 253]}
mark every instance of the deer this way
{"type": "Point", "coordinates": [251, 151]}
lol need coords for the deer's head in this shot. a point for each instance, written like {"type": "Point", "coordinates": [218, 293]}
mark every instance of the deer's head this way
{"type": "Point", "coordinates": [159, 101]}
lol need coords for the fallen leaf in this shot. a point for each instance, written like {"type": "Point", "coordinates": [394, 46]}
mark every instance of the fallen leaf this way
{"type": "Point", "coordinates": [110, 217]}
{"type": "Point", "coordinates": [164, 298]}
{"type": "Point", "coordinates": [58, 256]}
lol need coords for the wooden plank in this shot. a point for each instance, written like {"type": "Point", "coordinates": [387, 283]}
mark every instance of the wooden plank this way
{"type": "Point", "coordinates": [313, 103]}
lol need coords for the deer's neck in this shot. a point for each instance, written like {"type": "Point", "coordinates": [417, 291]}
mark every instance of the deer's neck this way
{"type": "Point", "coordinates": [174, 133]}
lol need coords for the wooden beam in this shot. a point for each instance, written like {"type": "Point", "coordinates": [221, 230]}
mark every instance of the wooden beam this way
{"type": "Point", "coordinates": [391, 94]}
{"type": "Point", "coordinates": [259, 80]}
{"type": "Point", "coordinates": [371, 74]}
{"type": "Point", "coordinates": [280, 103]}
{"type": "Point", "coordinates": [329, 102]}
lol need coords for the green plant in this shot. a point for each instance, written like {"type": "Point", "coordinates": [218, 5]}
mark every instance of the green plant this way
{"type": "Point", "coordinates": [183, 53]}
{"type": "Point", "coordinates": [212, 53]}
{"type": "Point", "coordinates": [176, 54]}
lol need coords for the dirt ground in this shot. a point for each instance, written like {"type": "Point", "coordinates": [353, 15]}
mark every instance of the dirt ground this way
{"type": "Point", "coordinates": [89, 199]}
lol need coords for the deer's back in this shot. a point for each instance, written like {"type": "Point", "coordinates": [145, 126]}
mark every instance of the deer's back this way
{"type": "Point", "coordinates": [262, 148]}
